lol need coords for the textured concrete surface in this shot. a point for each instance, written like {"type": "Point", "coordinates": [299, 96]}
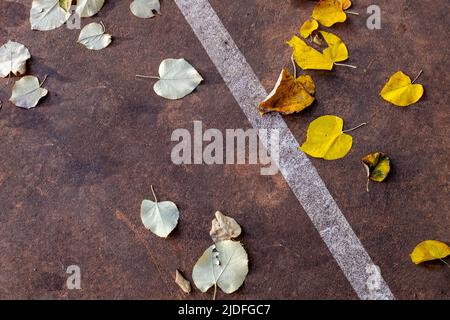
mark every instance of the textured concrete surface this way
{"type": "Point", "coordinates": [74, 170]}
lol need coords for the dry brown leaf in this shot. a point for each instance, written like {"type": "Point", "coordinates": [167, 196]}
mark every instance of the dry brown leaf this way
{"type": "Point", "coordinates": [181, 281]}
{"type": "Point", "coordinates": [224, 228]}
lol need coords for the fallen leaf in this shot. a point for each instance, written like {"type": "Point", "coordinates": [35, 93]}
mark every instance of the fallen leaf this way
{"type": "Point", "coordinates": [93, 36]}
{"type": "Point", "coordinates": [88, 8]}
{"type": "Point", "coordinates": [145, 8]}
{"type": "Point", "coordinates": [65, 4]}
{"type": "Point", "coordinates": [307, 57]}
{"type": "Point", "coordinates": [289, 95]}
{"type": "Point", "coordinates": [181, 281]}
{"type": "Point", "coordinates": [400, 91]}
{"type": "Point", "coordinates": [177, 78]}
{"type": "Point", "coordinates": [337, 50]}
{"type": "Point", "coordinates": [326, 140]}
{"type": "Point", "coordinates": [346, 4]}
{"type": "Point", "coordinates": [308, 27]}
{"type": "Point", "coordinates": [13, 58]}
{"type": "Point", "coordinates": [224, 228]}
{"type": "Point", "coordinates": [47, 15]}
{"type": "Point", "coordinates": [223, 265]}
{"type": "Point", "coordinates": [27, 92]}
{"type": "Point", "coordinates": [377, 165]}
{"type": "Point", "coordinates": [159, 217]}
{"type": "Point", "coordinates": [329, 12]}
{"type": "Point", "coordinates": [430, 250]}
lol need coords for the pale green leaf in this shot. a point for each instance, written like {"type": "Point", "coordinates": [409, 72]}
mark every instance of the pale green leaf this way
{"type": "Point", "coordinates": [27, 92]}
{"type": "Point", "coordinates": [93, 36]}
{"type": "Point", "coordinates": [13, 58]}
{"type": "Point", "coordinates": [88, 8]}
{"type": "Point", "coordinates": [145, 8]}
{"type": "Point", "coordinates": [159, 217]}
{"type": "Point", "coordinates": [224, 264]}
{"type": "Point", "coordinates": [177, 78]}
{"type": "Point", "coordinates": [47, 15]}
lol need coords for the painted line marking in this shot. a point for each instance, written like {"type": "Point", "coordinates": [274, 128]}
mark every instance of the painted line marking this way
{"type": "Point", "coordinates": [294, 165]}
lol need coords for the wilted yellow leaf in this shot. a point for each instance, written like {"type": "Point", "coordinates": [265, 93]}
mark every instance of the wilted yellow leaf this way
{"type": "Point", "coordinates": [307, 57]}
{"type": "Point", "coordinates": [377, 166]}
{"type": "Point", "coordinates": [308, 27]}
{"type": "Point", "coordinates": [337, 50]}
{"type": "Point", "coordinates": [289, 95]}
{"type": "Point", "coordinates": [325, 139]}
{"type": "Point", "coordinates": [429, 250]}
{"type": "Point", "coordinates": [400, 91]}
{"type": "Point", "coordinates": [329, 12]}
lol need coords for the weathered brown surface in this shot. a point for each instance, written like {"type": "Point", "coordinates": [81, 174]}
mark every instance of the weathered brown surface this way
{"type": "Point", "coordinates": [74, 170]}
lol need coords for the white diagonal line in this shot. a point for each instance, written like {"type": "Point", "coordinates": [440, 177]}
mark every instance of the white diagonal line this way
{"type": "Point", "coordinates": [294, 165]}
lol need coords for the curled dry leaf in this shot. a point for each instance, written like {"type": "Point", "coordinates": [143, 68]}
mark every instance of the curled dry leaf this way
{"type": "Point", "coordinates": [224, 228]}
{"type": "Point", "coordinates": [159, 217]}
{"type": "Point", "coordinates": [329, 12]}
{"type": "Point", "coordinates": [377, 165]}
{"type": "Point", "coordinates": [326, 140]}
{"type": "Point", "coordinates": [93, 36]}
{"type": "Point", "coordinates": [429, 250]}
{"type": "Point", "coordinates": [289, 95]}
{"type": "Point", "coordinates": [308, 27]}
{"type": "Point", "coordinates": [47, 15]}
{"type": "Point", "coordinates": [401, 91]}
{"type": "Point", "coordinates": [181, 281]}
{"type": "Point", "coordinates": [88, 8]}
{"type": "Point", "coordinates": [13, 58]}
{"type": "Point", "coordinates": [223, 265]}
{"type": "Point", "coordinates": [27, 92]}
{"type": "Point", "coordinates": [145, 8]}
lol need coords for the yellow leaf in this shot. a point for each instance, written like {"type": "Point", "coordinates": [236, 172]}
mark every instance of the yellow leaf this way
{"type": "Point", "coordinates": [346, 4]}
{"type": "Point", "coordinates": [289, 95]}
{"type": "Point", "coordinates": [336, 51]}
{"type": "Point", "coordinates": [325, 139]}
{"type": "Point", "coordinates": [329, 12]}
{"type": "Point", "coordinates": [307, 57]}
{"type": "Point", "coordinates": [308, 28]}
{"type": "Point", "coordinates": [429, 250]}
{"type": "Point", "coordinates": [65, 4]}
{"type": "Point", "coordinates": [400, 91]}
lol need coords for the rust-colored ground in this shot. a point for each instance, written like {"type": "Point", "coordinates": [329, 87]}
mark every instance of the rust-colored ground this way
{"type": "Point", "coordinates": [74, 170]}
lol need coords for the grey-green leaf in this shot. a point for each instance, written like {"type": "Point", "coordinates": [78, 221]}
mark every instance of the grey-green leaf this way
{"type": "Point", "coordinates": [224, 264]}
{"type": "Point", "coordinates": [27, 92]}
{"type": "Point", "coordinates": [93, 36]}
{"type": "Point", "coordinates": [159, 217]}
{"type": "Point", "coordinates": [177, 79]}
{"type": "Point", "coordinates": [47, 15]}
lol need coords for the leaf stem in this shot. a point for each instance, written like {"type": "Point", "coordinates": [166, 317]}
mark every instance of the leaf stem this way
{"type": "Point", "coordinates": [153, 191]}
{"type": "Point", "coordinates": [353, 13]}
{"type": "Point", "coordinates": [357, 127]}
{"type": "Point", "coordinates": [448, 265]}
{"type": "Point", "coordinates": [43, 81]}
{"type": "Point", "coordinates": [295, 67]}
{"type": "Point", "coordinates": [147, 77]}
{"type": "Point", "coordinates": [418, 76]}
{"type": "Point", "coordinates": [345, 65]}
{"type": "Point", "coordinates": [215, 291]}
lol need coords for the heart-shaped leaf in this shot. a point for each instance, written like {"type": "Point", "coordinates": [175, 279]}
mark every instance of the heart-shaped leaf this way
{"type": "Point", "coordinates": [27, 92]}
{"type": "Point", "coordinates": [326, 140]}
{"type": "Point", "coordinates": [401, 91]}
{"type": "Point", "coordinates": [47, 15]}
{"type": "Point", "coordinates": [145, 8]}
{"type": "Point", "coordinates": [159, 217]}
{"type": "Point", "coordinates": [430, 250]}
{"type": "Point", "coordinates": [93, 36]}
{"type": "Point", "coordinates": [13, 58]}
{"type": "Point", "coordinates": [289, 95]}
{"type": "Point", "coordinates": [88, 8]}
{"type": "Point", "coordinates": [329, 12]}
{"type": "Point", "coordinates": [337, 50]}
{"type": "Point", "coordinates": [223, 265]}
